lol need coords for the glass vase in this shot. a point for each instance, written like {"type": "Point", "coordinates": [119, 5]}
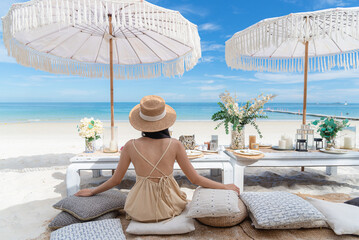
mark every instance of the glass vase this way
{"type": "Point", "coordinates": [89, 146]}
{"type": "Point", "coordinates": [110, 139]}
{"type": "Point", "coordinates": [237, 139]}
{"type": "Point", "coordinates": [330, 143]}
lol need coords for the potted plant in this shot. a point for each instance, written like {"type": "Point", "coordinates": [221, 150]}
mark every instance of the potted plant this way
{"type": "Point", "coordinates": [90, 129]}
{"type": "Point", "coordinates": [240, 116]}
{"type": "Point", "coordinates": [328, 128]}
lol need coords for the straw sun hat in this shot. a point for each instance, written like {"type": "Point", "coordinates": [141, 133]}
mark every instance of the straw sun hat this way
{"type": "Point", "coordinates": [152, 115]}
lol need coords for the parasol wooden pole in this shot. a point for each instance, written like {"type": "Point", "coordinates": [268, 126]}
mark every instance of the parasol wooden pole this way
{"type": "Point", "coordinates": [111, 72]}
{"type": "Point", "coordinates": [305, 82]}
{"type": "Point", "coordinates": [305, 87]}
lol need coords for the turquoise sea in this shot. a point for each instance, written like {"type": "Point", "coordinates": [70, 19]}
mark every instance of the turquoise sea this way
{"type": "Point", "coordinates": [30, 112]}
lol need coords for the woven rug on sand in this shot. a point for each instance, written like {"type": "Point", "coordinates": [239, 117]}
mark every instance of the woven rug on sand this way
{"type": "Point", "coordinates": [245, 231]}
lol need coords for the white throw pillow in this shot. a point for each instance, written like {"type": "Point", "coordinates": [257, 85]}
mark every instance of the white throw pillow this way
{"type": "Point", "coordinates": [342, 218]}
{"type": "Point", "coordinates": [178, 225]}
{"type": "Point", "coordinates": [208, 202]}
{"type": "Point", "coordinates": [281, 210]}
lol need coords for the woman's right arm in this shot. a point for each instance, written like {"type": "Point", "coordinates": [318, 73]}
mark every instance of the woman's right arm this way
{"type": "Point", "coordinates": [193, 176]}
{"type": "Point", "coordinates": [116, 179]}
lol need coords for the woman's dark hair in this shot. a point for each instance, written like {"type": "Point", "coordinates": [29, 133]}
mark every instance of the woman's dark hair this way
{"type": "Point", "coordinates": [157, 135]}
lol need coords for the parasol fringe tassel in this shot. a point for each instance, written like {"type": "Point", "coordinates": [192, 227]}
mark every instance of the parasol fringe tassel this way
{"type": "Point", "coordinates": [274, 32]}
{"type": "Point", "coordinates": [30, 58]}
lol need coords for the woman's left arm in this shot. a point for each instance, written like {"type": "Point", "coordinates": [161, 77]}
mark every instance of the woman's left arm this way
{"type": "Point", "coordinates": [116, 179]}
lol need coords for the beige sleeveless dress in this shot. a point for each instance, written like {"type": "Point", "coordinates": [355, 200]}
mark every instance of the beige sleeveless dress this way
{"type": "Point", "coordinates": [150, 201]}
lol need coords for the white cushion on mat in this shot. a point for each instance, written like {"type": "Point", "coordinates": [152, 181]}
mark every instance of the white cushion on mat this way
{"type": "Point", "coordinates": [109, 229]}
{"type": "Point", "coordinates": [208, 202]}
{"type": "Point", "coordinates": [341, 217]}
{"type": "Point", "coordinates": [178, 225]}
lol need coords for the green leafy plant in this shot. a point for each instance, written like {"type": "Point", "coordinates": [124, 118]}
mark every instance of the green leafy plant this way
{"type": "Point", "coordinates": [239, 116]}
{"type": "Point", "coordinates": [328, 127]}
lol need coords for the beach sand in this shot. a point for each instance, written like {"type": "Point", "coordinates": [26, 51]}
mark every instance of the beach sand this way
{"type": "Point", "coordinates": [34, 157]}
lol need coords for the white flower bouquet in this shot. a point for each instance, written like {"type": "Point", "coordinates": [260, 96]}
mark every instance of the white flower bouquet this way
{"type": "Point", "coordinates": [239, 116]}
{"type": "Point", "coordinates": [90, 129]}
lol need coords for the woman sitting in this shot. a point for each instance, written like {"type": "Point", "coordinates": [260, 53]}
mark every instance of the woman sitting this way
{"type": "Point", "coordinates": [156, 195]}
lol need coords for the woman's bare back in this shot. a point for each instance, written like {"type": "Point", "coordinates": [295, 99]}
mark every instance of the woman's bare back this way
{"type": "Point", "coordinates": [152, 150]}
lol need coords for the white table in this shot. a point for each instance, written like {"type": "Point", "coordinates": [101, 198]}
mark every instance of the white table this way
{"type": "Point", "coordinates": [108, 162]}
{"type": "Point", "coordinates": [291, 159]}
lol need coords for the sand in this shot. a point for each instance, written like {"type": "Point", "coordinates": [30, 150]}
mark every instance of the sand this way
{"type": "Point", "coordinates": [34, 158]}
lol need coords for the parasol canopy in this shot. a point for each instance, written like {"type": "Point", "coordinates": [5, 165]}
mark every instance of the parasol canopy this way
{"type": "Point", "coordinates": [120, 39]}
{"type": "Point", "coordinates": [299, 42]}
{"type": "Point", "coordinates": [73, 37]}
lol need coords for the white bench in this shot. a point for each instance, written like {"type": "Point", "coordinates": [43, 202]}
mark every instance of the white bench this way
{"type": "Point", "coordinates": [109, 162]}
{"type": "Point", "coordinates": [292, 159]}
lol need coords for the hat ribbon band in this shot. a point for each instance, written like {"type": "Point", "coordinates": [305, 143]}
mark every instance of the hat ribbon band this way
{"type": "Point", "coordinates": [153, 118]}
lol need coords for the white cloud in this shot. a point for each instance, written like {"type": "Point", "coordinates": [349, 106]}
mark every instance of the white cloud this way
{"type": "Point", "coordinates": [222, 76]}
{"type": "Point", "coordinates": [209, 95]}
{"type": "Point", "coordinates": [199, 81]}
{"type": "Point", "coordinates": [171, 96]}
{"type": "Point", "coordinates": [330, 3]}
{"type": "Point", "coordinates": [208, 59]}
{"type": "Point", "coordinates": [191, 9]}
{"type": "Point", "coordinates": [209, 27]}
{"type": "Point", "coordinates": [211, 46]}
{"type": "Point", "coordinates": [212, 87]}
{"type": "Point", "coordinates": [287, 78]}
{"type": "Point", "coordinates": [76, 92]}
{"type": "Point", "coordinates": [34, 80]}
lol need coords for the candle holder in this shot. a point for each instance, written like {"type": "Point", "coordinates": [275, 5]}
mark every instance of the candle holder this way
{"type": "Point", "coordinates": [301, 145]}
{"type": "Point", "coordinates": [310, 139]}
{"type": "Point", "coordinates": [110, 140]}
{"type": "Point", "coordinates": [347, 138]}
{"type": "Point", "coordinates": [214, 143]}
{"type": "Point", "coordinates": [307, 134]}
{"type": "Point", "coordinates": [318, 142]}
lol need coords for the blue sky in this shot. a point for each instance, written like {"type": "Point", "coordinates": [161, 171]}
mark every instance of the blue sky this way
{"type": "Point", "coordinates": [217, 22]}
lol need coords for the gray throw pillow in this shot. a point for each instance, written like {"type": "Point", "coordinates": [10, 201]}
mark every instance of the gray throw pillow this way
{"type": "Point", "coordinates": [281, 210]}
{"type": "Point", "coordinates": [354, 201]}
{"type": "Point", "coordinates": [64, 219]}
{"type": "Point", "coordinates": [109, 229]}
{"type": "Point", "coordinates": [87, 208]}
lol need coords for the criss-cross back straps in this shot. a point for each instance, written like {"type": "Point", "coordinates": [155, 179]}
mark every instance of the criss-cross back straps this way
{"type": "Point", "coordinates": [154, 166]}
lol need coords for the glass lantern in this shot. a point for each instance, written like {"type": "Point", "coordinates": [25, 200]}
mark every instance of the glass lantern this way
{"type": "Point", "coordinates": [301, 145]}
{"type": "Point", "coordinates": [318, 143]}
{"type": "Point", "coordinates": [306, 133]}
{"type": "Point", "coordinates": [110, 139]}
{"type": "Point", "coordinates": [347, 138]}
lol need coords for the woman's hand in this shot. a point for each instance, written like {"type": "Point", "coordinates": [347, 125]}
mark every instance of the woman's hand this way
{"type": "Point", "coordinates": [84, 193]}
{"type": "Point", "coordinates": [232, 187]}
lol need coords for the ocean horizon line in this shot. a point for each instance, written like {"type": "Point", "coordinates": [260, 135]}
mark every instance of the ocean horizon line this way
{"type": "Point", "coordinates": [187, 111]}
{"type": "Point", "coordinates": [105, 102]}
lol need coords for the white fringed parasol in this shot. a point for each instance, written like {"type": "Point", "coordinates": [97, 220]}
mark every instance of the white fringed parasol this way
{"type": "Point", "coordinates": [309, 41]}
{"type": "Point", "coordinates": [121, 39]}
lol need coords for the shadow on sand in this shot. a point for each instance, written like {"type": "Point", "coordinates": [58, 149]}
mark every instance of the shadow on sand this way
{"type": "Point", "coordinates": [36, 161]}
{"type": "Point", "coordinates": [269, 179]}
